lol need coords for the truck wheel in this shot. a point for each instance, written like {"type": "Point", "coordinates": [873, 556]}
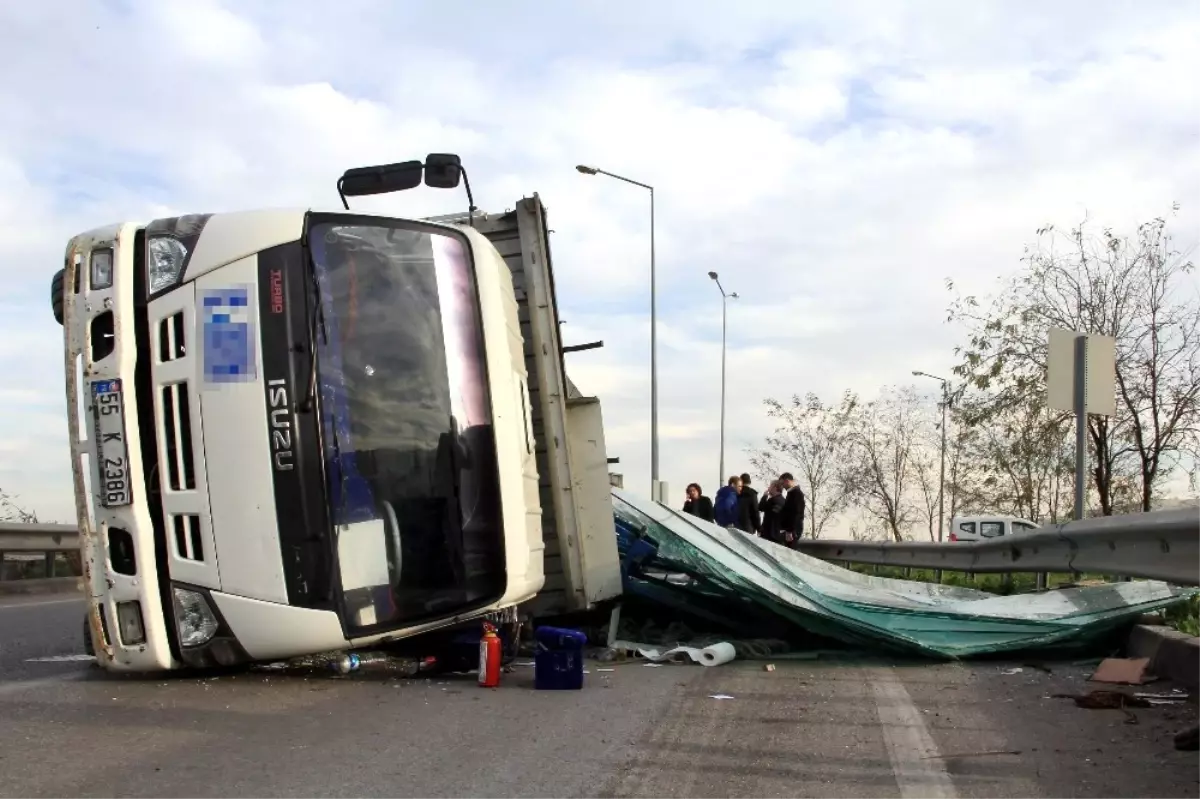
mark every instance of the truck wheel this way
{"type": "Point", "coordinates": [56, 295]}
{"type": "Point", "coordinates": [87, 637]}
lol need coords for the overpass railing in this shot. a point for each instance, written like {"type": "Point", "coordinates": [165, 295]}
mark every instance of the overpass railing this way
{"type": "Point", "coordinates": [38, 556]}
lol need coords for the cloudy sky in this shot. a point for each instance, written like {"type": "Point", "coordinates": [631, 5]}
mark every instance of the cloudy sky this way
{"type": "Point", "coordinates": [834, 161]}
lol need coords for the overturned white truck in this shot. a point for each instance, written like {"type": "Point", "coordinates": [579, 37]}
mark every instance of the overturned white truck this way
{"type": "Point", "coordinates": [296, 431]}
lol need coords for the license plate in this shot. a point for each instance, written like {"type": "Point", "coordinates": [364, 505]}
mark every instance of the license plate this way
{"type": "Point", "coordinates": [112, 461]}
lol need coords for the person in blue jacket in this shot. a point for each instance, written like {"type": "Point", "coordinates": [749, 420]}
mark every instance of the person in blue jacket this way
{"type": "Point", "coordinates": [725, 505]}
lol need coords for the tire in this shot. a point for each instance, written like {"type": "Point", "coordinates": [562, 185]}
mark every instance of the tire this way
{"type": "Point", "coordinates": [88, 648]}
{"type": "Point", "coordinates": [56, 295]}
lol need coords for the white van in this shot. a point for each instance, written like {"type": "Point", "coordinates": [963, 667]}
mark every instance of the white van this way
{"type": "Point", "coordinates": [968, 529]}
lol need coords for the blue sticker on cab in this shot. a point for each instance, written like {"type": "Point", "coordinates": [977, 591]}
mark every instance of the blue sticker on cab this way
{"type": "Point", "coordinates": [228, 324]}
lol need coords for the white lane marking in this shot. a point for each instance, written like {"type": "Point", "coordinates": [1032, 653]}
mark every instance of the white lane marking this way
{"type": "Point", "coordinates": [919, 772]}
{"type": "Point", "coordinates": [18, 605]}
{"type": "Point", "coordinates": [61, 659]}
{"type": "Point", "coordinates": [17, 686]}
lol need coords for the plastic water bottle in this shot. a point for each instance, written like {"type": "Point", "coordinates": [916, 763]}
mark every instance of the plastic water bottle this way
{"type": "Point", "coordinates": [346, 663]}
{"type": "Point", "coordinates": [351, 661]}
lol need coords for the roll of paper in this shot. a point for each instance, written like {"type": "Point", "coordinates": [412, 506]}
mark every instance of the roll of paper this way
{"type": "Point", "coordinates": [712, 655]}
{"type": "Point", "coordinates": [717, 654]}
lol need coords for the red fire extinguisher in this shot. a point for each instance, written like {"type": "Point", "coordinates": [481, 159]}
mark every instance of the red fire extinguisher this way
{"type": "Point", "coordinates": [489, 657]}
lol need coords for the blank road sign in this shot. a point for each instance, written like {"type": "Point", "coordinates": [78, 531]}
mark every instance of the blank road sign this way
{"type": "Point", "coordinates": [1100, 392]}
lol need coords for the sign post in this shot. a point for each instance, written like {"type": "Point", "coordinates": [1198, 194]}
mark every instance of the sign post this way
{"type": "Point", "coordinates": [1080, 377]}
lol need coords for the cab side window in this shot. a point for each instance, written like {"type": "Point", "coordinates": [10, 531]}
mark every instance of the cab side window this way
{"type": "Point", "coordinates": [967, 527]}
{"type": "Point", "coordinates": [991, 529]}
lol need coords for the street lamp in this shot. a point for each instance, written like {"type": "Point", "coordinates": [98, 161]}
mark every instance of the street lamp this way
{"type": "Point", "coordinates": [725, 298]}
{"type": "Point", "coordinates": [942, 482]}
{"type": "Point", "coordinates": [654, 492]}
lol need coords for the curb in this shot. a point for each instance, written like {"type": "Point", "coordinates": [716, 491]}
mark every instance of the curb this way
{"type": "Point", "coordinates": [1173, 655]}
{"type": "Point", "coordinates": [45, 585]}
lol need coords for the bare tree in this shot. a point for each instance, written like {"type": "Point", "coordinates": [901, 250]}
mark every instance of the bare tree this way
{"type": "Point", "coordinates": [926, 472]}
{"type": "Point", "coordinates": [927, 489]}
{"type": "Point", "coordinates": [883, 438]}
{"type": "Point", "coordinates": [1018, 460]}
{"type": "Point", "coordinates": [10, 511]}
{"type": "Point", "coordinates": [1135, 290]}
{"type": "Point", "coordinates": [813, 439]}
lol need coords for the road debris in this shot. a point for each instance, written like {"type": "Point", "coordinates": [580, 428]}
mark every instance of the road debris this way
{"type": "Point", "coordinates": [1104, 700]}
{"type": "Point", "coordinates": [1108, 700]}
{"type": "Point", "coordinates": [738, 582]}
{"type": "Point", "coordinates": [769, 667]}
{"type": "Point", "coordinates": [1176, 696]}
{"type": "Point", "coordinates": [714, 655]}
{"type": "Point", "coordinates": [1188, 740]}
{"type": "Point", "coordinates": [720, 696]}
{"type": "Point", "coordinates": [1123, 671]}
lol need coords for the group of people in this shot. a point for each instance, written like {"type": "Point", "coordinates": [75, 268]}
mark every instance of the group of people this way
{"type": "Point", "coordinates": [777, 516]}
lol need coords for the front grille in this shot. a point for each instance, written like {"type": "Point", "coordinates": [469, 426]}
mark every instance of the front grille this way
{"type": "Point", "coordinates": [144, 388]}
{"type": "Point", "coordinates": [188, 543]}
{"type": "Point", "coordinates": [177, 427]}
{"type": "Point", "coordinates": [171, 344]}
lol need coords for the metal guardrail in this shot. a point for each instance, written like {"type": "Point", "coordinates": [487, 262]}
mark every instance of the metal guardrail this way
{"type": "Point", "coordinates": [15, 537]}
{"type": "Point", "coordinates": [1163, 545]}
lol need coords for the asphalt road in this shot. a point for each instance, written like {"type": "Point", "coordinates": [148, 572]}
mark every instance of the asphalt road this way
{"type": "Point", "coordinates": [809, 728]}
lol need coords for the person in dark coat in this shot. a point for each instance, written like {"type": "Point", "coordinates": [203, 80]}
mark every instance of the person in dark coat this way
{"type": "Point", "coordinates": [749, 519]}
{"type": "Point", "coordinates": [791, 517]}
{"type": "Point", "coordinates": [697, 504]}
{"type": "Point", "coordinates": [771, 506]}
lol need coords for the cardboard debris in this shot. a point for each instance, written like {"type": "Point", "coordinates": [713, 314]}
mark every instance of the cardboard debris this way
{"type": "Point", "coordinates": [1122, 671]}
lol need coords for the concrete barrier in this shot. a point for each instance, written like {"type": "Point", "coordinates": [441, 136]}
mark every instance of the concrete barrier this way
{"type": "Point", "coordinates": [1174, 656]}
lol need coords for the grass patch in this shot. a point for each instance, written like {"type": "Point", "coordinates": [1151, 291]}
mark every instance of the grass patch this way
{"type": "Point", "coordinates": [1001, 584]}
{"type": "Point", "coordinates": [1185, 616]}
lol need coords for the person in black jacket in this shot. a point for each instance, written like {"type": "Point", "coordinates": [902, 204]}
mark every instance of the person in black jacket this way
{"type": "Point", "coordinates": [749, 519]}
{"type": "Point", "coordinates": [770, 506]}
{"type": "Point", "coordinates": [791, 517]}
{"type": "Point", "coordinates": [697, 504]}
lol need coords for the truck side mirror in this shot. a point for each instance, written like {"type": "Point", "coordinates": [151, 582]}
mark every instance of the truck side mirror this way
{"type": "Point", "coordinates": [442, 170]}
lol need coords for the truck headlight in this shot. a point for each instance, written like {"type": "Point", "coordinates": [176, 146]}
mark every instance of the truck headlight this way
{"type": "Point", "coordinates": [102, 269]}
{"type": "Point", "coordinates": [164, 262]}
{"type": "Point", "coordinates": [196, 622]}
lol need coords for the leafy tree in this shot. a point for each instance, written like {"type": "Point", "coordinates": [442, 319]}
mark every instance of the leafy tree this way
{"type": "Point", "coordinates": [1136, 289]}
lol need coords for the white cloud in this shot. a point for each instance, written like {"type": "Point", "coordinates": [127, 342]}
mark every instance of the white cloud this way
{"type": "Point", "coordinates": [834, 162]}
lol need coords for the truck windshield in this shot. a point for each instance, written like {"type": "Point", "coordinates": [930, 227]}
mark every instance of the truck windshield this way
{"type": "Point", "coordinates": [409, 450]}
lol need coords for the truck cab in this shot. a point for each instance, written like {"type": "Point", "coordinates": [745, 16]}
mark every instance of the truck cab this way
{"type": "Point", "coordinates": [294, 431]}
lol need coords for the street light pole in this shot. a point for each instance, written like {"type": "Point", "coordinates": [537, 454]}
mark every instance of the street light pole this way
{"type": "Point", "coordinates": [654, 482]}
{"type": "Point", "coordinates": [724, 315]}
{"type": "Point", "coordinates": [942, 479]}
